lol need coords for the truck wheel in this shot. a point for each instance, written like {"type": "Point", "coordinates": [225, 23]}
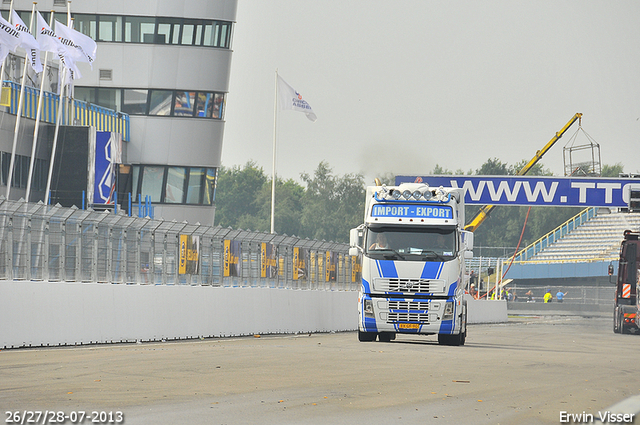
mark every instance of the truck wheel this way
{"type": "Point", "coordinates": [386, 336]}
{"type": "Point", "coordinates": [455, 340]}
{"type": "Point", "coordinates": [622, 326]}
{"type": "Point", "coordinates": [463, 334]}
{"type": "Point", "coordinates": [366, 336]}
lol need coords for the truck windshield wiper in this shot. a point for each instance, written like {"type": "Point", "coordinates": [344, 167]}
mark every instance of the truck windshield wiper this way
{"type": "Point", "coordinates": [386, 253]}
{"type": "Point", "coordinates": [428, 253]}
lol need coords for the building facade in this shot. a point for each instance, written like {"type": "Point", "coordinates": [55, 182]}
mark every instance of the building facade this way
{"type": "Point", "coordinates": [166, 64]}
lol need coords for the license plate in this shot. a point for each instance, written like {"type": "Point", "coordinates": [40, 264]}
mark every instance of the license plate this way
{"type": "Point", "coordinates": [409, 326]}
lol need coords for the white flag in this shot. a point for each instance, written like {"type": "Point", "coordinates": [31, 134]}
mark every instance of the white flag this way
{"type": "Point", "coordinates": [9, 38]}
{"type": "Point", "coordinates": [289, 98]}
{"type": "Point", "coordinates": [81, 47]}
{"type": "Point", "coordinates": [50, 42]}
{"type": "Point", "coordinates": [28, 42]}
{"type": "Point", "coordinates": [70, 64]}
{"type": "Point", "coordinates": [47, 39]}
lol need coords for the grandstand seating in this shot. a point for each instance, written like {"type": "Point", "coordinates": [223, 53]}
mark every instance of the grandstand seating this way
{"type": "Point", "coordinates": [597, 239]}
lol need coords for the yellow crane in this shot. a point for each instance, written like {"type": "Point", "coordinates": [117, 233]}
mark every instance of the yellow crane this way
{"type": "Point", "coordinates": [484, 211]}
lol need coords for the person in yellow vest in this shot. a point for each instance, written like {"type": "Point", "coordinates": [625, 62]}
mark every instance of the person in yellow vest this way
{"type": "Point", "coordinates": [548, 297]}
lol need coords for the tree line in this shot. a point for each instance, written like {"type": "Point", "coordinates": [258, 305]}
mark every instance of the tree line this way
{"type": "Point", "coordinates": [325, 206]}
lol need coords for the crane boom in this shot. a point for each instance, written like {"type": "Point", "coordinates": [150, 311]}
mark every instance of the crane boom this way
{"type": "Point", "coordinates": [484, 211]}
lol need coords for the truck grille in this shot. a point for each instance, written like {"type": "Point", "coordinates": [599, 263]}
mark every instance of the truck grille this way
{"type": "Point", "coordinates": [408, 305]}
{"type": "Point", "coordinates": [409, 285]}
{"type": "Point", "coordinates": [408, 317]}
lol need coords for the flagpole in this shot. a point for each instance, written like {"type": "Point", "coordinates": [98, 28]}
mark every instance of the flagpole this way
{"type": "Point", "coordinates": [38, 113]}
{"type": "Point", "coordinates": [58, 119]}
{"type": "Point", "coordinates": [70, 89]}
{"type": "Point", "coordinates": [4, 61]}
{"type": "Point", "coordinates": [19, 112]}
{"type": "Point", "coordinates": [273, 166]}
{"type": "Point", "coordinates": [55, 136]}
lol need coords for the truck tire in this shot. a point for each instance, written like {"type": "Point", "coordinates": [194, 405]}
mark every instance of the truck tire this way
{"type": "Point", "coordinates": [624, 329]}
{"type": "Point", "coordinates": [366, 336]}
{"type": "Point", "coordinates": [456, 339]}
{"type": "Point", "coordinates": [445, 339]}
{"type": "Point", "coordinates": [386, 336]}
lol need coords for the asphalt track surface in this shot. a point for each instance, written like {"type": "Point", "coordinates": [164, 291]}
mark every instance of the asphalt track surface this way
{"type": "Point", "coordinates": [526, 371]}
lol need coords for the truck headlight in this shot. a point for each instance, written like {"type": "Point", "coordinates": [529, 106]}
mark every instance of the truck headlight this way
{"type": "Point", "coordinates": [448, 311]}
{"type": "Point", "coordinates": [368, 308]}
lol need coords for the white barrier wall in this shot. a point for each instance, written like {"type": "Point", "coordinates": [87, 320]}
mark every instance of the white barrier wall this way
{"type": "Point", "coordinates": [486, 311]}
{"type": "Point", "coordinates": [55, 313]}
{"type": "Point", "coordinates": [43, 313]}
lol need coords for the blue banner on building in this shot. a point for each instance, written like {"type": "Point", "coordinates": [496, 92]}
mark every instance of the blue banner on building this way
{"type": "Point", "coordinates": [522, 190]}
{"type": "Point", "coordinates": [107, 155]}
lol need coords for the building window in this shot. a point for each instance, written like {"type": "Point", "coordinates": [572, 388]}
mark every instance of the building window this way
{"type": "Point", "coordinates": [222, 34]}
{"type": "Point", "coordinates": [174, 190]}
{"type": "Point", "coordinates": [109, 98]}
{"type": "Point", "coordinates": [179, 103]}
{"type": "Point", "coordinates": [194, 190]}
{"type": "Point", "coordinates": [134, 101]}
{"type": "Point", "coordinates": [86, 94]}
{"type": "Point", "coordinates": [86, 24]}
{"type": "Point", "coordinates": [110, 28]}
{"type": "Point", "coordinates": [174, 185]}
{"type": "Point", "coordinates": [191, 34]}
{"type": "Point", "coordinates": [160, 102]}
{"type": "Point", "coordinates": [184, 103]}
{"type": "Point", "coordinates": [152, 182]}
{"type": "Point", "coordinates": [168, 31]}
{"type": "Point", "coordinates": [139, 29]}
{"type": "Point", "coordinates": [154, 30]}
{"type": "Point", "coordinates": [210, 186]}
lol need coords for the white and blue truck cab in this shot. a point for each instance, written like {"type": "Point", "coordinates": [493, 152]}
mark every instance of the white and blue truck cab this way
{"type": "Point", "coordinates": [413, 250]}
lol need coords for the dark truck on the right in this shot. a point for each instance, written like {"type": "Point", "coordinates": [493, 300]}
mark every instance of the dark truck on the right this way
{"type": "Point", "coordinates": [625, 314]}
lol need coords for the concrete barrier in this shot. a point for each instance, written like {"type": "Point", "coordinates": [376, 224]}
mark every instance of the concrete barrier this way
{"type": "Point", "coordinates": [61, 313]}
{"type": "Point", "coordinates": [36, 314]}
{"type": "Point", "coordinates": [484, 311]}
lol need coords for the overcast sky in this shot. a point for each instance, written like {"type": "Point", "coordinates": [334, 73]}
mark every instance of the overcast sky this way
{"type": "Point", "coordinates": [400, 86]}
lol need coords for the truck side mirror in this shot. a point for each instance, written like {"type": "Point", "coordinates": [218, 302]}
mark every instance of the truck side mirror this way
{"type": "Point", "coordinates": [610, 271]}
{"type": "Point", "coordinates": [467, 240]}
{"type": "Point", "coordinates": [355, 240]}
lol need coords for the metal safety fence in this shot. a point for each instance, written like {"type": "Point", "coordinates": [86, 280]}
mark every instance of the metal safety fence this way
{"type": "Point", "coordinates": [54, 243]}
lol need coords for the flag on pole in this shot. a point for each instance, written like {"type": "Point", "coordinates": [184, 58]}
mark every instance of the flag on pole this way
{"type": "Point", "coordinates": [289, 98]}
{"type": "Point", "coordinates": [50, 42]}
{"type": "Point", "coordinates": [81, 47]}
{"type": "Point", "coordinates": [9, 38]}
{"type": "Point", "coordinates": [47, 39]}
{"type": "Point", "coordinates": [28, 42]}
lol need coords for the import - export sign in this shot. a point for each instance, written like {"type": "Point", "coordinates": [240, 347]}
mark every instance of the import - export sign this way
{"type": "Point", "coordinates": [522, 190]}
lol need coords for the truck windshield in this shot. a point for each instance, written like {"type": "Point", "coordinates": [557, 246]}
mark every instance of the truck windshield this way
{"type": "Point", "coordinates": [411, 243]}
